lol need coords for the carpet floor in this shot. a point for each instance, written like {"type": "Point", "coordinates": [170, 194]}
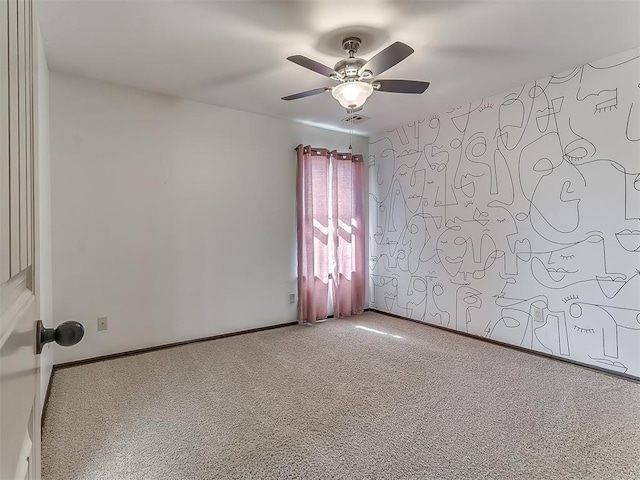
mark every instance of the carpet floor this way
{"type": "Point", "coordinates": [392, 400]}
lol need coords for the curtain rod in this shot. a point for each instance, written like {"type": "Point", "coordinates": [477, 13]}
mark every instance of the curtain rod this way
{"type": "Point", "coordinates": [355, 157]}
{"type": "Point", "coordinates": [296, 149]}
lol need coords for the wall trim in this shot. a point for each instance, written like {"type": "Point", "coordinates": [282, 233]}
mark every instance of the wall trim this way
{"type": "Point", "coordinates": [140, 351]}
{"type": "Point", "coordinates": [624, 376]}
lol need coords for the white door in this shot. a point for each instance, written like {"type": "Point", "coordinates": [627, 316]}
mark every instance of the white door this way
{"type": "Point", "coordinates": [19, 364]}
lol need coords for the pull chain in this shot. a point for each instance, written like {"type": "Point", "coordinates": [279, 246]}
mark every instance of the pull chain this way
{"type": "Point", "coordinates": [351, 141]}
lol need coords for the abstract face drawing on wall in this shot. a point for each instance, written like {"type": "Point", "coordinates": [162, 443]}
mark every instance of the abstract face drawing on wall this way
{"type": "Point", "coordinates": [594, 330]}
{"type": "Point", "coordinates": [436, 308]}
{"type": "Point", "coordinates": [385, 291]}
{"type": "Point", "coordinates": [507, 238]}
{"type": "Point", "coordinates": [512, 118]}
{"type": "Point", "coordinates": [428, 131]}
{"type": "Point", "coordinates": [581, 262]}
{"type": "Point", "coordinates": [467, 249]}
{"type": "Point", "coordinates": [411, 246]}
{"type": "Point", "coordinates": [609, 91]}
{"type": "Point", "coordinates": [411, 174]}
{"type": "Point", "coordinates": [412, 295]}
{"type": "Point", "coordinates": [478, 168]}
{"type": "Point", "coordinates": [608, 122]}
{"type": "Point", "coordinates": [524, 226]}
{"type": "Point", "coordinates": [442, 152]}
{"type": "Point", "coordinates": [383, 165]}
{"type": "Point", "coordinates": [553, 186]}
{"type": "Point", "coordinates": [467, 298]}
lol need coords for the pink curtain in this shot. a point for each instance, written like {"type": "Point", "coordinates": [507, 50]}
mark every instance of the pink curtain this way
{"type": "Point", "coordinates": [348, 233]}
{"type": "Point", "coordinates": [313, 233]}
{"type": "Point", "coordinates": [330, 205]}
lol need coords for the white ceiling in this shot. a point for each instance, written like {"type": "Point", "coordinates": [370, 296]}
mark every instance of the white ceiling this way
{"type": "Point", "coordinates": [233, 53]}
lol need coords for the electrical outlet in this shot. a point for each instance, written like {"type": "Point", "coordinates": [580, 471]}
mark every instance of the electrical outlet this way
{"type": "Point", "coordinates": [292, 298]}
{"type": "Point", "coordinates": [103, 323]}
{"type": "Point", "coordinates": [538, 315]}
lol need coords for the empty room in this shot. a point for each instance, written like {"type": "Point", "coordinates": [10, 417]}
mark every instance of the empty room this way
{"type": "Point", "coordinates": [249, 239]}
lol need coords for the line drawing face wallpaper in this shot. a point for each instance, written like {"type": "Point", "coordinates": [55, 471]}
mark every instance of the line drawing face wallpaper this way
{"type": "Point", "coordinates": [517, 217]}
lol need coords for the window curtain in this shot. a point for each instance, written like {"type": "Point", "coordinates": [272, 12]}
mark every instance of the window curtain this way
{"type": "Point", "coordinates": [330, 213]}
{"type": "Point", "coordinates": [348, 233]}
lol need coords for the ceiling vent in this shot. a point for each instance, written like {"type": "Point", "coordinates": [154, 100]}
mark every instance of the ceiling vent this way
{"type": "Point", "coordinates": [356, 117]}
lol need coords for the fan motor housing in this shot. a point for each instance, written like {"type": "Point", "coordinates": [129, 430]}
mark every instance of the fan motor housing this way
{"type": "Point", "coordinates": [349, 67]}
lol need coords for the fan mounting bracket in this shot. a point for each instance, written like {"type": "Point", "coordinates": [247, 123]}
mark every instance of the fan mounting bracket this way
{"type": "Point", "coordinates": [351, 45]}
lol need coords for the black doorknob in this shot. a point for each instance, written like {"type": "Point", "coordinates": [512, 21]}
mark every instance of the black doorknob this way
{"type": "Point", "coordinates": [66, 334]}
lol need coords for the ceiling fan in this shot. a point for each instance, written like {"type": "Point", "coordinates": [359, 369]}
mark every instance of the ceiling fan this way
{"type": "Point", "coordinates": [356, 76]}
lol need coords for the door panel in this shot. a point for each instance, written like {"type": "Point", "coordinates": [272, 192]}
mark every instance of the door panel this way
{"type": "Point", "coordinates": [22, 130]}
{"type": "Point", "coordinates": [29, 129]}
{"type": "Point", "coordinates": [18, 371]}
{"type": "Point", "coordinates": [24, 467]}
{"type": "Point", "coordinates": [19, 365]}
{"type": "Point", "coordinates": [13, 126]}
{"type": "Point", "coordinates": [5, 252]}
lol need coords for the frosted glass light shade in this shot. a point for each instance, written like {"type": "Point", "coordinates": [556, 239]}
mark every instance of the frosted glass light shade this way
{"type": "Point", "coordinates": [352, 94]}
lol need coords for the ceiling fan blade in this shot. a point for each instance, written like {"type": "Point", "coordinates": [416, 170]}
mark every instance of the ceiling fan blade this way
{"type": "Point", "coordinates": [401, 86]}
{"type": "Point", "coordinates": [308, 93]}
{"type": "Point", "coordinates": [312, 65]}
{"type": "Point", "coordinates": [387, 58]}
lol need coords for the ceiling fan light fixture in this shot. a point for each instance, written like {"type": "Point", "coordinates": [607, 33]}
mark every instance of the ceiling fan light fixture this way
{"type": "Point", "coordinates": [352, 94]}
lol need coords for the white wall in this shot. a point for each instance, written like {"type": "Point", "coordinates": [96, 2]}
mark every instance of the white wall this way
{"type": "Point", "coordinates": [43, 189]}
{"type": "Point", "coordinates": [174, 219]}
{"type": "Point", "coordinates": [517, 217]}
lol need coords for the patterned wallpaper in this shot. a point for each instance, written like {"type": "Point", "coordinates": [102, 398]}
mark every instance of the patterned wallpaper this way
{"type": "Point", "coordinates": [517, 217]}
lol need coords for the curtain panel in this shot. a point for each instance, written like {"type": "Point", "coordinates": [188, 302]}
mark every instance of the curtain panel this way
{"type": "Point", "coordinates": [330, 214]}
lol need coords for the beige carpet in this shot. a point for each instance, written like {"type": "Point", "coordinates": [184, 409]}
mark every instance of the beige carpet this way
{"type": "Point", "coordinates": [337, 401]}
